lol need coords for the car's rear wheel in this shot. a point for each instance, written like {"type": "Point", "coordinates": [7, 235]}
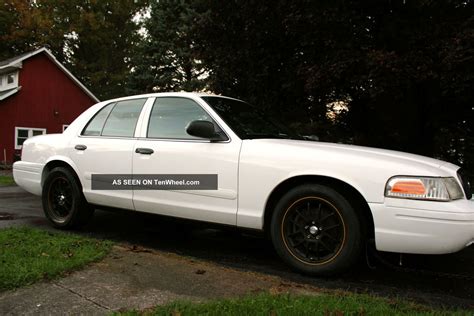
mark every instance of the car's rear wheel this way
{"type": "Point", "coordinates": [63, 202]}
{"type": "Point", "coordinates": [316, 230]}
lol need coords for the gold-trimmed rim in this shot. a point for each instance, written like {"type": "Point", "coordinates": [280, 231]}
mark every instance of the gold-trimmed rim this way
{"type": "Point", "coordinates": [343, 226]}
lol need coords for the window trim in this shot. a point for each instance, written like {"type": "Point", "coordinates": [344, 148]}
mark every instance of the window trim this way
{"type": "Point", "coordinates": [81, 134]}
{"type": "Point", "coordinates": [147, 126]}
{"type": "Point", "coordinates": [30, 134]}
{"type": "Point", "coordinates": [115, 102]}
{"type": "Point", "coordinates": [4, 85]}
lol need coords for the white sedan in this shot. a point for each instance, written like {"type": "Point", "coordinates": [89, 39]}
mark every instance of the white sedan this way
{"type": "Point", "coordinates": [319, 202]}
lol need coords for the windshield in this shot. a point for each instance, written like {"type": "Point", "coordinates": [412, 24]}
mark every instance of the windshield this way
{"type": "Point", "coordinates": [247, 121]}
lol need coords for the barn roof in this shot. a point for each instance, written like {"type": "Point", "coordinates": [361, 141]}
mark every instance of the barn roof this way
{"type": "Point", "coordinates": [16, 62]}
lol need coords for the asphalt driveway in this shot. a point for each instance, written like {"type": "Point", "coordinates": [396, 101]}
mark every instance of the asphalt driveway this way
{"type": "Point", "coordinates": [434, 280]}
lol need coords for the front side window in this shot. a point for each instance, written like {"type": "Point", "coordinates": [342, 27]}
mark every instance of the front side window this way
{"type": "Point", "coordinates": [23, 133]}
{"type": "Point", "coordinates": [170, 117]}
{"type": "Point", "coordinates": [247, 121]}
{"type": "Point", "coordinates": [116, 119]}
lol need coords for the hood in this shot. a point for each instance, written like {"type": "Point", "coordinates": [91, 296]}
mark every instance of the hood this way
{"type": "Point", "coordinates": [354, 153]}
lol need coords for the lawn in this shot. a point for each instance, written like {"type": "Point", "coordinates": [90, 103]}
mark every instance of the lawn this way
{"type": "Point", "coordinates": [286, 304]}
{"type": "Point", "coordinates": [28, 255]}
{"type": "Point", "coordinates": [6, 180]}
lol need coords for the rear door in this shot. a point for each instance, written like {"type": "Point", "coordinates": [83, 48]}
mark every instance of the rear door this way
{"type": "Point", "coordinates": [105, 146]}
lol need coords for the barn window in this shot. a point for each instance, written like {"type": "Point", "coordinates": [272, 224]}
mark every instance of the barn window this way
{"type": "Point", "coordinates": [65, 126]}
{"type": "Point", "coordinates": [9, 81]}
{"type": "Point", "coordinates": [23, 133]}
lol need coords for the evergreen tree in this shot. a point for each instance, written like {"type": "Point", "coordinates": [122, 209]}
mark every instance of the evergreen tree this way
{"type": "Point", "coordinates": [166, 58]}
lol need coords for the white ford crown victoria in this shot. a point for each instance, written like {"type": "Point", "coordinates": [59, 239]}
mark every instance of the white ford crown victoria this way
{"type": "Point", "coordinates": [319, 202]}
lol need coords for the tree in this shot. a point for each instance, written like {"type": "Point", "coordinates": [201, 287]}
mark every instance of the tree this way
{"type": "Point", "coordinates": [93, 38]}
{"type": "Point", "coordinates": [104, 37]}
{"type": "Point", "coordinates": [166, 60]}
{"type": "Point", "coordinates": [402, 69]}
{"type": "Point", "coordinates": [28, 25]}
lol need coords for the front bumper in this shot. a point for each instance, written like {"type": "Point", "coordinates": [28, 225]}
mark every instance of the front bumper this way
{"type": "Point", "coordinates": [423, 227]}
{"type": "Point", "coordinates": [28, 176]}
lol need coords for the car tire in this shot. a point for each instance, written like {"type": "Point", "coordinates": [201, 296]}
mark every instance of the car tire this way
{"type": "Point", "coordinates": [64, 203]}
{"type": "Point", "coordinates": [316, 230]}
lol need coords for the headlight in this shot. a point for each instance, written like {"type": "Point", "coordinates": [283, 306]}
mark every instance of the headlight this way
{"type": "Point", "coordinates": [424, 188]}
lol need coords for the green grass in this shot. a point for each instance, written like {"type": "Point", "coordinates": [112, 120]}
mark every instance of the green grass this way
{"type": "Point", "coordinates": [28, 255]}
{"type": "Point", "coordinates": [6, 180]}
{"type": "Point", "coordinates": [287, 304]}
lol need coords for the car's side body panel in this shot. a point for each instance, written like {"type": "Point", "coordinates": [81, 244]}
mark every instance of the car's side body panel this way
{"type": "Point", "coordinates": [103, 156]}
{"type": "Point", "coordinates": [248, 172]}
{"type": "Point", "coordinates": [37, 152]}
{"type": "Point", "coordinates": [180, 157]}
{"type": "Point", "coordinates": [266, 163]}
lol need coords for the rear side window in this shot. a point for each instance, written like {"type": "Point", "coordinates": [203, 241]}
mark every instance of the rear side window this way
{"type": "Point", "coordinates": [94, 127]}
{"type": "Point", "coordinates": [170, 117]}
{"type": "Point", "coordinates": [120, 119]}
{"type": "Point", "coordinates": [123, 118]}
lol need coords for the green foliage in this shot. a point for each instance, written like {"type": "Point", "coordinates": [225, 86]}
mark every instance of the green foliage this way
{"type": "Point", "coordinates": [6, 180]}
{"type": "Point", "coordinates": [93, 38]}
{"type": "Point", "coordinates": [166, 60]}
{"type": "Point", "coordinates": [402, 69]}
{"type": "Point", "coordinates": [27, 25]}
{"type": "Point", "coordinates": [106, 36]}
{"type": "Point", "coordinates": [28, 255]}
{"type": "Point", "coordinates": [287, 304]}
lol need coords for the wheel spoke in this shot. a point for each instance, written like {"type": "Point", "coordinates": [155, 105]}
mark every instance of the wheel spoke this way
{"type": "Point", "coordinates": [325, 246]}
{"type": "Point", "coordinates": [296, 233]}
{"type": "Point", "coordinates": [330, 237]}
{"type": "Point", "coordinates": [326, 217]}
{"type": "Point", "coordinates": [319, 213]}
{"type": "Point", "coordinates": [332, 227]}
{"type": "Point", "coordinates": [301, 215]}
{"type": "Point", "coordinates": [317, 251]}
{"type": "Point", "coordinates": [299, 243]}
{"type": "Point", "coordinates": [308, 249]}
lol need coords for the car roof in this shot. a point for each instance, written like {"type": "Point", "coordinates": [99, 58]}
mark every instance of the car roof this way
{"type": "Point", "coordinates": [168, 94]}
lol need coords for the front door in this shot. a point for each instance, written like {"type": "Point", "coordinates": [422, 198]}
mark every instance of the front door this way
{"type": "Point", "coordinates": [170, 150]}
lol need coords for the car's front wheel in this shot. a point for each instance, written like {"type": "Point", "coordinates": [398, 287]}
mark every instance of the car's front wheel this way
{"type": "Point", "coordinates": [316, 230]}
{"type": "Point", "coordinates": [63, 201]}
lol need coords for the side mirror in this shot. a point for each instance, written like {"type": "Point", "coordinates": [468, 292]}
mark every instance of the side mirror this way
{"type": "Point", "coordinates": [204, 129]}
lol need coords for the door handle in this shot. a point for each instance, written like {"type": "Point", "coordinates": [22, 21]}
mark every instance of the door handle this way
{"type": "Point", "coordinates": [144, 151]}
{"type": "Point", "coordinates": [80, 147]}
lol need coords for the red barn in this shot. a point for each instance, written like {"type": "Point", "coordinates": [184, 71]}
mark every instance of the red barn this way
{"type": "Point", "coordinates": [38, 95]}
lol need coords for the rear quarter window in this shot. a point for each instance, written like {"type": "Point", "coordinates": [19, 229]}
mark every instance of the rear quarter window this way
{"type": "Point", "coordinates": [117, 119]}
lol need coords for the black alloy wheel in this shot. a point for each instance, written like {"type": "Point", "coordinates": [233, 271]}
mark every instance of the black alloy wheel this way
{"type": "Point", "coordinates": [60, 199]}
{"type": "Point", "coordinates": [316, 230]}
{"type": "Point", "coordinates": [64, 203]}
